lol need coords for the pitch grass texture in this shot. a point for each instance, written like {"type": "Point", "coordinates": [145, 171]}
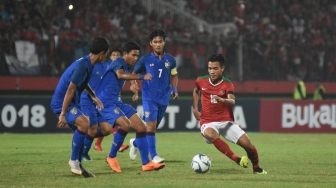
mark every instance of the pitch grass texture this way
{"type": "Point", "coordinates": [291, 160]}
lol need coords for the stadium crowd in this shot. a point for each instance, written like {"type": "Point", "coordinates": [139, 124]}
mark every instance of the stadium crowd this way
{"type": "Point", "coordinates": [281, 39]}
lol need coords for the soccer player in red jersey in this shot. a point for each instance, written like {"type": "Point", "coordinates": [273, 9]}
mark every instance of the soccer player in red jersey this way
{"type": "Point", "coordinates": [216, 117]}
{"type": "Point", "coordinates": [115, 53]}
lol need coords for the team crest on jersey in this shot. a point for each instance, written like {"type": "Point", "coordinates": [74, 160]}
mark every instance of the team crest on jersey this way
{"type": "Point", "coordinates": [221, 92]}
{"type": "Point", "coordinates": [167, 64]}
{"type": "Point", "coordinates": [151, 64]}
{"type": "Point", "coordinates": [73, 111]}
{"type": "Point", "coordinates": [147, 114]}
{"type": "Point", "coordinates": [116, 111]}
{"type": "Point", "coordinates": [97, 72]}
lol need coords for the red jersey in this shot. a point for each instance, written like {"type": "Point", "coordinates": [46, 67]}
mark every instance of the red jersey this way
{"type": "Point", "coordinates": [212, 110]}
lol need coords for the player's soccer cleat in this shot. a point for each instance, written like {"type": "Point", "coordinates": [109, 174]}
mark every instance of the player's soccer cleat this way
{"type": "Point", "coordinates": [243, 161]}
{"type": "Point", "coordinates": [114, 164]}
{"type": "Point", "coordinates": [133, 149]}
{"type": "Point", "coordinates": [98, 147]}
{"type": "Point", "coordinates": [158, 159]}
{"type": "Point", "coordinates": [152, 166]}
{"type": "Point", "coordinates": [86, 157]}
{"type": "Point", "coordinates": [75, 167]}
{"type": "Point", "coordinates": [123, 147]}
{"type": "Point", "coordinates": [85, 173]}
{"type": "Point", "coordinates": [259, 171]}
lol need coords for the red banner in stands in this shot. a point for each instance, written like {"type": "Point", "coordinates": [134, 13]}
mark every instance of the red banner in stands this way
{"type": "Point", "coordinates": [291, 116]}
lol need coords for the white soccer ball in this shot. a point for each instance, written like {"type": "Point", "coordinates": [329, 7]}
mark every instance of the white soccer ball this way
{"type": "Point", "coordinates": [201, 163]}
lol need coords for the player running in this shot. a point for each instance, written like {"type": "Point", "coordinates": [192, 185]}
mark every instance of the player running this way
{"type": "Point", "coordinates": [217, 99]}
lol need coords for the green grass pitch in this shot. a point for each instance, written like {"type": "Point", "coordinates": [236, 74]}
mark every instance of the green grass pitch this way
{"type": "Point", "coordinates": [291, 160]}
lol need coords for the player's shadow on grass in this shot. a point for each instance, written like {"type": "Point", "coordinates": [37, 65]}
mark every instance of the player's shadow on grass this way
{"type": "Point", "coordinates": [225, 171]}
{"type": "Point", "coordinates": [174, 161]}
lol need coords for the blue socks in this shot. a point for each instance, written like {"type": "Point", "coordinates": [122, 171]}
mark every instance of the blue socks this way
{"type": "Point", "coordinates": [151, 139]}
{"type": "Point", "coordinates": [87, 144]}
{"type": "Point", "coordinates": [118, 140]}
{"type": "Point", "coordinates": [77, 144]}
{"type": "Point", "coordinates": [141, 143]}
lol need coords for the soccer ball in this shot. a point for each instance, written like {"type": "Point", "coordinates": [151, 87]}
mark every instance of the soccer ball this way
{"type": "Point", "coordinates": [201, 163]}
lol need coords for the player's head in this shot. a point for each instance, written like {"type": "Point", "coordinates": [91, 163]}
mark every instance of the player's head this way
{"type": "Point", "coordinates": [216, 66]}
{"type": "Point", "coordinates": [157, 41]}
{"type": "Point", "coordinates": [115, 53]}
{"type": "Point", "coordinates": [131, 52]}
{"type": "Point", "coordinates": [99, 46]}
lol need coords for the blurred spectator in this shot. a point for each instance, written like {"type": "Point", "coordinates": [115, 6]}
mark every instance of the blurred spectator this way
{"type": "Point", "coordinates": [319, 93]}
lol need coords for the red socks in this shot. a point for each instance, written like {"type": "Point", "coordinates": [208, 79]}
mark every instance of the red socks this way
{"type": "Point", "coordinates": [253, 156]}
{"type": "Point", "coordinates": [99, 140]}
{"type": "Point", "coordinates": [225, 149]}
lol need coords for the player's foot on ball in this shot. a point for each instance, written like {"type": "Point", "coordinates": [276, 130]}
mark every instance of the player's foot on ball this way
{"type": "Point", "coordinates": [158, 159]}
{"type": "Point", "coordinates": [114, 164]}
{"type": "Point", "coordinates": [133, 149]}
{"type": "Point", "coordinates": [86, 157]}
{"type": "Point", "coordinates": [152, 166]}
{"type": "Point", "coordinates": [123, 147]}
{"type": "Point", "coordinates": [98, 147]}
{"type": "Point", "coordinates": [243, 161]}
{"type": "Point", "coordinates": [85, 173]}
{"type": "Point", "coordinates": [75, 167]}
{"type": "Point", "coordinates": [259, 171]}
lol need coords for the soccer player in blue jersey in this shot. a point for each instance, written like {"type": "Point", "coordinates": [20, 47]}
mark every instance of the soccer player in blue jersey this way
{"type": "Point", "coordinates": [156, 92]}
{"type": "Point", "coordinates": [115, 53]}
{"type": "Point", "coordinates": [123, 115]}
{"type": "Point", "coordinates": [65, 102]}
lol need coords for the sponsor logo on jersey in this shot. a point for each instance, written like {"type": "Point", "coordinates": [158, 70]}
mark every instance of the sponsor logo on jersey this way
{"type": "Point", "coordinates": [73, 111]}
{"type": "Point", "coordinates": [147, 114]}
{"type": "Point", "coordinates": [151, 64]}
{"type": "Point", "coordinates": [116, 111]}
{"type": "Point", "coordinates": [167, 64]}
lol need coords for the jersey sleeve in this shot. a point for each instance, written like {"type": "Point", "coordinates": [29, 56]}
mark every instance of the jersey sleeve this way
{"type": "Point", "coordinates": [230, 88]}
{"type": "Point", "coordinates": [79, 74]}
{"type": "Point", "coordinates": [140, 66]}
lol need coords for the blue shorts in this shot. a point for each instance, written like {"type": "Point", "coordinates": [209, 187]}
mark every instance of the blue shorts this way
{"type": "Point", "coordinates": [92, 114]}
{"type": "Point", "coordinates": [113, 112]}
{"type": "Point", "coordinates": [72, 113]}
{"type": "Point", "coordinates": [153, 111]}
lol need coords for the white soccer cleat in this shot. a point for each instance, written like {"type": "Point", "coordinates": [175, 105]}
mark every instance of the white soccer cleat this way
{"type": "Point", "coordinates": [75, 167]}
{"type": "Point", "coordinates": [133, 149]}
{"type": "Point", "coordinates": [158, 160]}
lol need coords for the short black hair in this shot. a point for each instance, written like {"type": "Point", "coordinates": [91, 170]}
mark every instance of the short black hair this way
{"type": "Point", "coordinates": [114, 50]}
{"type": "Point", "coordinates": [99, 44]}
{"type": "Point", "coordinates": [158, 33]}
{"type": "Point", "coordinates": [217, 58]}
{"type": "Point", "coordinates": [129, 46]}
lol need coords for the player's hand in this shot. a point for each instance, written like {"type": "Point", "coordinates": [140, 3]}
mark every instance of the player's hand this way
{"type": "Point", "coordinates": [219, 99]}
{"type": "Point", "coordinates": [174, 93]}
{"type": "Point", "coordinates": [148, 76]}
{"type": "Point", "coordinates": [134, 88]}
{"type": "Point", "coordinates": [135, 97]}
{"type": "Point", "coordinates": [61, 121]}
{"type": "Point", "coordinates": [99, 104]}
{"type": "Point", "coordinates": [197, 114]}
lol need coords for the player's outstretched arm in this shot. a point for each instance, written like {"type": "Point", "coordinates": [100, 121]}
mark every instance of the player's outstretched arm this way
{"type": "Point", "coordinates": [121, 74]}
{"type": "Point", "coordinates": [196, 95]}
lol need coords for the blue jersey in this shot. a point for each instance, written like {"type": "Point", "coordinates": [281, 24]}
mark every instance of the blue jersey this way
{"type": "Point", "coordinates": [79, 73]}
{"type": "Point", "coordinates": [110, 86]}
{"type": "Point", "coordinates": [98, 71]}
{"type": "Point", "coordinates": [158, 89]}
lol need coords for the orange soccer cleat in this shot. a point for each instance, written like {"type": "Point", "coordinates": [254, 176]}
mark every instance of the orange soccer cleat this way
{"type": "Point", "coordinates": [114, 164]}
{"type": "Point", "coordinates": [152, 166]}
